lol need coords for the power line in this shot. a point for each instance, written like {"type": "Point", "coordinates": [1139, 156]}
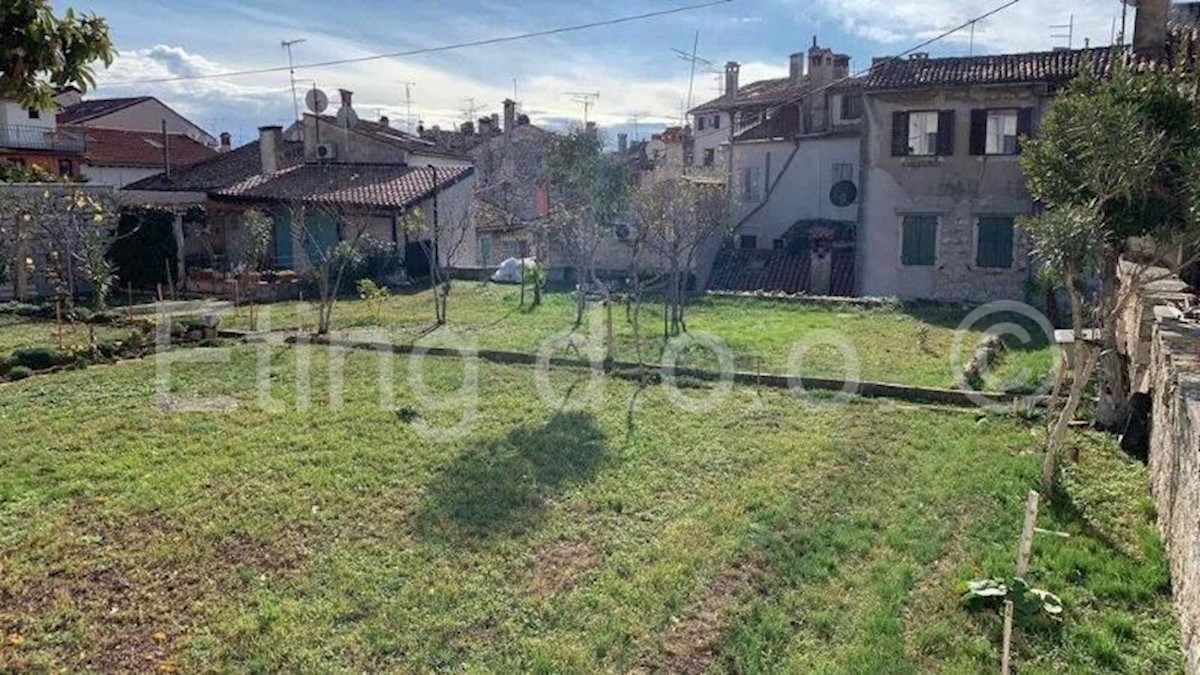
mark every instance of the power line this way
{"type": "Point", "coordinates": [433, 50]}
{"type": "Point", "coordinates": [889, 59]}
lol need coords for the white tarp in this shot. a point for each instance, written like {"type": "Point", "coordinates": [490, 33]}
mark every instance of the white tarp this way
{"type": "Point", "coordinates": [509, 271]}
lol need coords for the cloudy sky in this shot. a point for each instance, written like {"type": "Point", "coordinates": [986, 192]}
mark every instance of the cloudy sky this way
{"type": "Point", "coordinates": [630, 65]}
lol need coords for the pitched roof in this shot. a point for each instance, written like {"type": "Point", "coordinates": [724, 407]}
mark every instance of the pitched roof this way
{"type": "Point", "coordinates": [397, 138]}
{"type": "Point", "coordinates": [117, 147]}
{"type": "Point", "coordinates": [762, 92]}
{"type": "Point", "coordinates": [1055, 67]}
{"type": "Point", "coordinates": [363, 185]}
{"type": "Point", "coordinates": [97, 107]}
{"type": "Point", "coordinates": [220, 171]}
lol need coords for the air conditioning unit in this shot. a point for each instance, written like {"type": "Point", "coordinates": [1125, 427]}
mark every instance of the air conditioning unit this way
{"type": "Point", "coordinates": [624, 231]}
{"type": "Point", "coordinates": [326, 151]}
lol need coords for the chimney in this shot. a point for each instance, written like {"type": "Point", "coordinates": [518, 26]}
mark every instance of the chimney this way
{"type": "Point", "coordinates": [522, 120]}
{"type": "Point", "coordinates": [510, 114]}
{"type": "Point", "coordinates": [590, 128]}
{"type": "Point", "coordinates": [495, 122]}
{"type": "Point", "coordinates": [622, 143]}
{"type": "Point", "coordinates": [270, 142]}
{"type": "Point", "coordinates": [820, 65]}
{"type": "Point", "coordinates": [796, 67]}
{"type": "Point", "coordinates": [383, 119]}
{"type": "Point", "coordinates": [226, 142]}
{"type": "Point", "coordinates": [346, 115]}
{"type": "Point", "coordinates": [1150, 28]}
{"type": "Point", "coordinates": [731, 80]}
{"type": "Point", "coordinates": [485, 126]}
{"type": "Point", "coordinates": [467, 128]}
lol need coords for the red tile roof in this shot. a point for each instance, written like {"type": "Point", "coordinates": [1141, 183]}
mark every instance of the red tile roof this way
{"type": "Point", "coordinates": [365, 185]}
{"type": "Point", "coordinates": [91, 109]}
{"type": "Point", "coordinates": [220, 171]}
{"type": "Point", "coordinates": [116, 147]}
{"type": "Point", "coordinates": [397, 138]}
{"type": "Point", "coordinates": [762, 270]}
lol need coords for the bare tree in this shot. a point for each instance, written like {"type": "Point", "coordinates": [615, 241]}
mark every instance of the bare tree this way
{"type": "Point", "coordinates": [442, 232]}
{"type": "Point", "coordinates": [329, 233]}
{"type": "Point", "coordinates": [257, 230]}
{"type": "Point", "coordinates": [677, 217]}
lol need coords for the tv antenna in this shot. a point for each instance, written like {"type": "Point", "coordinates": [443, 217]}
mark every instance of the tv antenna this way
{"type": "Point", "coordinates": [585, 98]}
{"type": "Point", "coordinates": [1069, 26]}
{"type": "Point", "coordinates": [287, 46]}
{"type": "Point", "coordinates": [408, 123]}
{"type": "Point", "coordinates": [693, 61]}
{"type": "Point", "coordinates": [470, 108]}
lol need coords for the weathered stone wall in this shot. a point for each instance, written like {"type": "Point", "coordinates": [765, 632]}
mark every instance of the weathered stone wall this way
{"type": "Point", "coordinates": [1175, 466]}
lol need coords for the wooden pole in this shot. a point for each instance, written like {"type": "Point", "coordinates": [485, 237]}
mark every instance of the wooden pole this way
{"type": "Point", "coordinates": [1024, 551]}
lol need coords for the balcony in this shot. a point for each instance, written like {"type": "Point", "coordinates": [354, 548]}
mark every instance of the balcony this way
{"type": "Point", "coordinates": [24, 137]}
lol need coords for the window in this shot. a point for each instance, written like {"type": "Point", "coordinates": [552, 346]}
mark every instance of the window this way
{"type": "Point", "coordinates": [1001, 132]}
{"type": "Point", "coordinates": [717, 121]}
{"type": "Point", "coordinates": [709, 156]}
{"type": "Point", "coordinates": [35, 114]}
{"type": "Point", "coordinates": [751, 184]}
{"type": "Point", "coordinates": [700, 122]}
{"type": "Point", "coordinates": [996, 131]}
{"type": "Point", "coordinates": [922, 133]}
{"type": "Point", "coordinates": [919, 245]}
{"type": "Point", "coordinates": [777, 244]}
{"type": "Point", "coordinates": [65, 168]}
{"type": "Point", "coordinates": [747, 241]}
{"type": "Point", "coordinates": [994, 247]}
{"type": "Point", "coordinates": [852, 106]}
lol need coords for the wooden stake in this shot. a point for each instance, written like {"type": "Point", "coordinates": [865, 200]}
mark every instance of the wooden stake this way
{"type": "Point", "coordinates": [1024, 551]}
{"type": "Point", "coordinates": [129, 307]}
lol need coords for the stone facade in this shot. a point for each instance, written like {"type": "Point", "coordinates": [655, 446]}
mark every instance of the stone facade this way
{"type": "Point", "coordinates": [1175, 466]}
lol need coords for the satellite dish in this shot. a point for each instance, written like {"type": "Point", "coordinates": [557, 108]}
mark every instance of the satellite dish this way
{"type": "Point", "coordinates": [843, 193]}
{"type": "Point", "coordinates": [316, 101]}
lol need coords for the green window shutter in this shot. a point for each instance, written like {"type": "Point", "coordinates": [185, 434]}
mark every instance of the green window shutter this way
{"type": "Point", "coordinates": [919, 245]}
{"type": "Point", "coordinates": [995, 245]}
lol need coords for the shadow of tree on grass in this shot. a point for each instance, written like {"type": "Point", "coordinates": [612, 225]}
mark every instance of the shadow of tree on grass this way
{"type": "Point", "coordinates": [500, 486]}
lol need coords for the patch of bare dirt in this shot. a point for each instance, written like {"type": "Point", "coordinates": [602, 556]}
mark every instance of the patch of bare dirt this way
{"type": "Point", "coordinates": [558, 567]}
{"type": "Point", "coordinates": [691, 642]}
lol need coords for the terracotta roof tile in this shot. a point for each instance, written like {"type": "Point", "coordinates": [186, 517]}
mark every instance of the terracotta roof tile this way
{"type": "Point", "coordinates": [116, 147]}
{"type": "Point", "coordinates": [220, 171]}
{"type": "Point", "coordinates": [367, 185]}
{"type": "Point", "coordinates": [86, 110]}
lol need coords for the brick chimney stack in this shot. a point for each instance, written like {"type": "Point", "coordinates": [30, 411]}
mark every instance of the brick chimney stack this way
{"type": "Point", "coordinates": [796, 67]}
{"type": "Point", "coordinates": [1150, 28]}
{"type": "Point", "coordinates": [226, 142]}
{"type": "Point", "coordinates": [731, 79]}
{"type": "Point", "coordinates": [510, 115]}
{"type": "Point", "coordinates": [270, 144]}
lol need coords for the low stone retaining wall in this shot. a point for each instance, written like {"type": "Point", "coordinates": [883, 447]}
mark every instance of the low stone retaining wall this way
{"type": "Point", "coordinates": [1174, 375]}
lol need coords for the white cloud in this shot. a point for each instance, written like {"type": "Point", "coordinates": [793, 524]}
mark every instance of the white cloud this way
{"type": "Point", "coordinates": [1023, 27]}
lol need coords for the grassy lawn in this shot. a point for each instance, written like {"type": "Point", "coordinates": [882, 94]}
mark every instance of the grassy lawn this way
{"type": "Point", "coordinates": [18, 333]}
{"type": "Point", "coordinates": [905, 346]}
{"type": "Point", "coordinates": [765, 535]}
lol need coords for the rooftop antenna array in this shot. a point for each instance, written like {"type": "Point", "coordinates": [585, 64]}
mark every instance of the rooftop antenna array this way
{"type": "Point", "coordinates": [408, 102]}
{"type": "Point", "coordinates": [1069, 35]}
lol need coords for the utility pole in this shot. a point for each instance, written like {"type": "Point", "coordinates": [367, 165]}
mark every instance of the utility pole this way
{"type": "Point", "coordinates": [287, 46]}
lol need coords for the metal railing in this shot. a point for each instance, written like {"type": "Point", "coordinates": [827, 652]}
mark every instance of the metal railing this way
{"type": "Point", "coordinates": [24, 137]}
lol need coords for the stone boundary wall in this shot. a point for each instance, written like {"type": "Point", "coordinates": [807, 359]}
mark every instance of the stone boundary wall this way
{"type": "Point", "coordinates": [1175, 466]}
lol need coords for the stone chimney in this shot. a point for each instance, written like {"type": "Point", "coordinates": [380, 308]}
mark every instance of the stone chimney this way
{"type": "Point", "coordinates": [622, 143]}
{"type": "Point", "coordinates": [731, 79]}
{"type": "Point", "coordinates": [270, 144]}
{"type": "Point", "coordinates": [820, 65]}
{"type": "Point", "coordinates": [495, 123]}
{"type": "Point", "coordinates": [590, 128]}
{"type": "Point", "coordinates": [485, 126]}
{"type": "Point", "coordinates": [383, 119]}
{"type": "Point", "coordinates": [1150, 28]}
{"type": "Point", "coordinates": [467, 128]}
{"type": "Point", "coordinates": [510, 115]}
{"type": "Point", "coordinates": [841, 66]}
{"type": "Point", "coordinates": [226, 142]}
{"type": "Point", "coordinates": [796, 67]}
{"type": "Point", "coordinates": [346, 116]}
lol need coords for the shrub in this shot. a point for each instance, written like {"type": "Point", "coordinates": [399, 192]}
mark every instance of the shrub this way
{"type": "Point", "coordinates": [19, 373]}
{"type": "Point", "coordinates": [38, 358]}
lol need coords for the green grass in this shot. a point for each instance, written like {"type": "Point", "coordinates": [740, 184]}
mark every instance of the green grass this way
{"type": "Point", "coordinates": [910, 345]}
{"type": "Point", "coordinates": [766, 535]}
{"type": "Point", "coordinates": [18, 333]}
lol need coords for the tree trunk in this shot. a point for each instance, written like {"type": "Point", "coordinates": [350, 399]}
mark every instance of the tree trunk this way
{"type": "Point", "coordinates": [1083, 361]}
{"type": "Point", "coordinates": [1113, 406]}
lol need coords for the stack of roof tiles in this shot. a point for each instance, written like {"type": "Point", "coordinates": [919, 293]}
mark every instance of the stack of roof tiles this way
{"type": "Point", "coordinates": [366, 185]}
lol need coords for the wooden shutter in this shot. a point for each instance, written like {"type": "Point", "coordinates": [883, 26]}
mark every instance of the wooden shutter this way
{"type": "Point", "coordinates": [979, 131]}
{"type": "Point", "coordinates": [1024, 125]}
{"type": "Point", "coordinates": [899, 134]}
{"type": "Point", "coordinates": [919, 245]}
{"type": "Point", "coordinates": [995, 245]}
{"type": "Point", "coordinates": [945, 135]}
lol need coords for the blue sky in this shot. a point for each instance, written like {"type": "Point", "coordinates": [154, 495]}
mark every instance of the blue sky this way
{"type": "Point", "coordinates": [630, 65]}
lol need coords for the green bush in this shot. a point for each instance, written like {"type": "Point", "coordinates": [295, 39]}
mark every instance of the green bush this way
{"type": "Point", "coordinates": [37, 358]}
{"type": "Point", "coordinates": [19, 373]}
